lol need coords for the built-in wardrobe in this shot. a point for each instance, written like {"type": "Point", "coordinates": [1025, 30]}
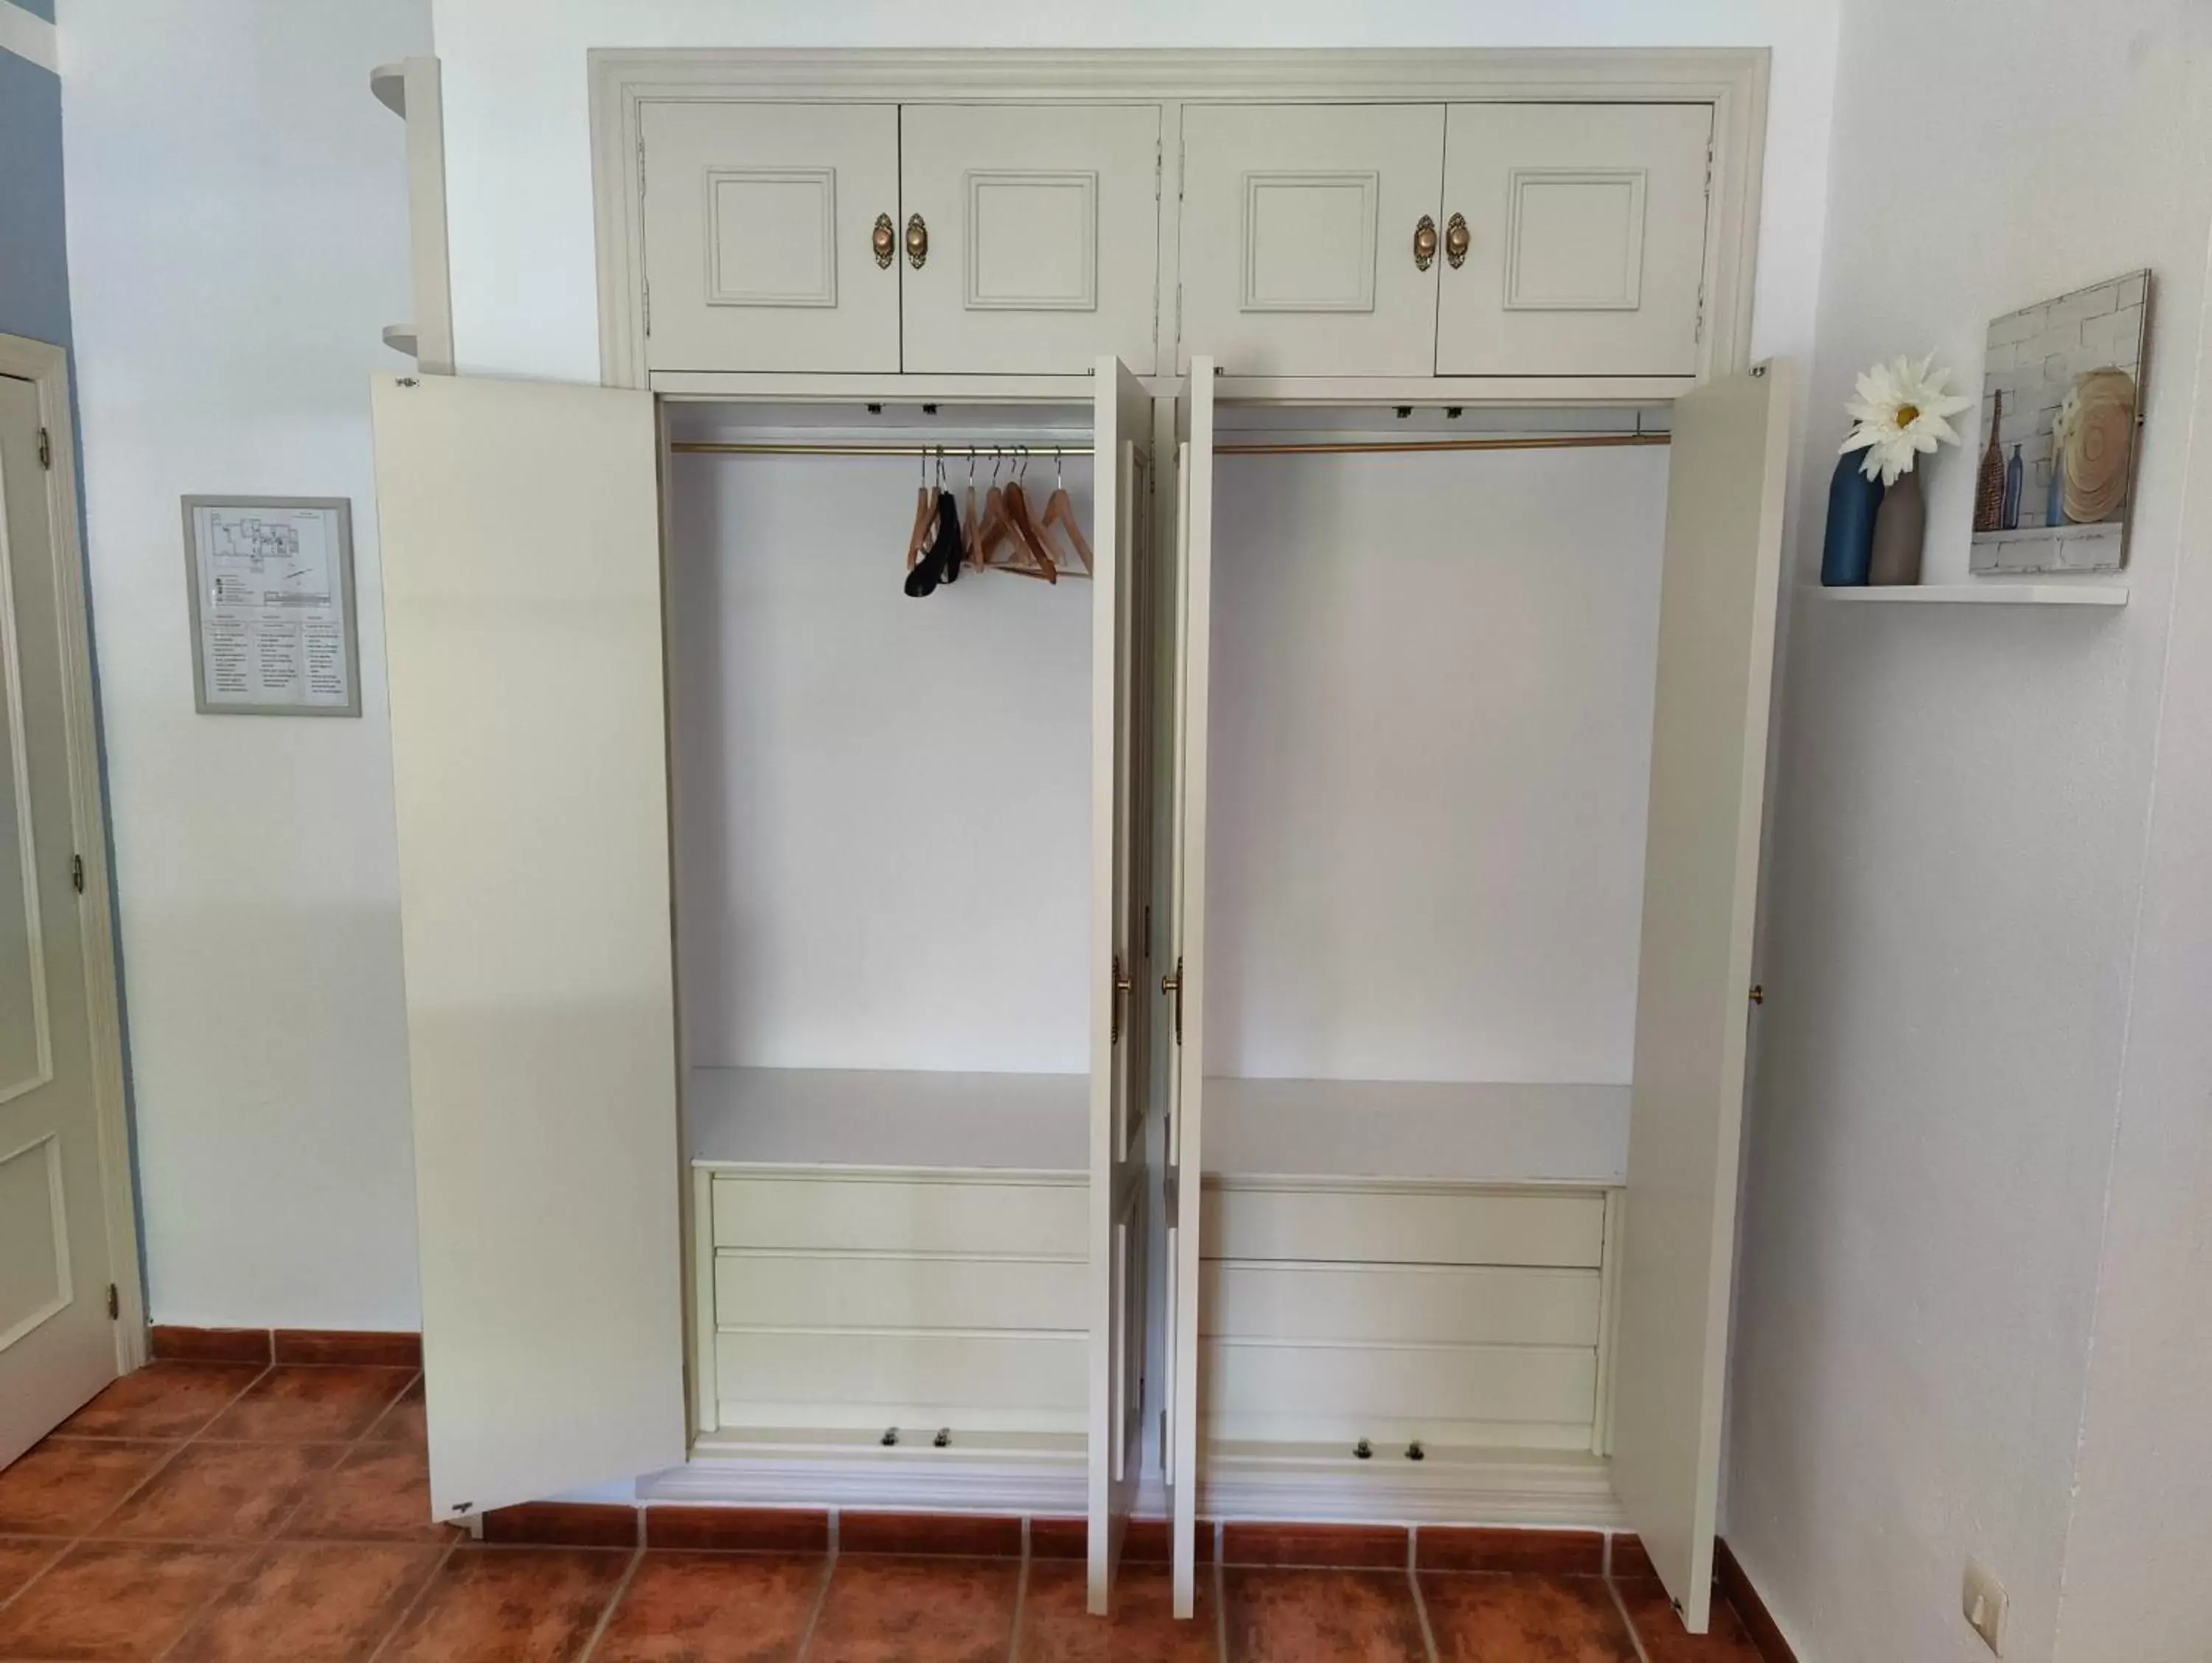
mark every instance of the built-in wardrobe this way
{"type": "Point", "coordinates": [1234, 1005]}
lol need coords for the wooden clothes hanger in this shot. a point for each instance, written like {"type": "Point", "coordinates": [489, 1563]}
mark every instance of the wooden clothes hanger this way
{"type": "Point", "coordinates": [924, 521]}
{"type": "Point", "coordinates": [1060, 511]}
{"type": "Point", "coordinates": [1029, 540]}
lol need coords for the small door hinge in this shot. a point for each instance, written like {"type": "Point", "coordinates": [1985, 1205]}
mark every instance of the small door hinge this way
{"type": "Point", "coordinates": [1709, 170]}
{"type": "Point", "coordinates": [645, 300]}
{"type": "Point", "coordinates": [114, 1302]}
{"type": "Point", "coordinates": [1159, 165]}
{"type": "Point", "coordinates": [1757, 993]}
{"type": "Point", "coordinates": [76, 872]}
{"type": "Point", "coordinates": [641, 165]}
{"type": "Point", "coordinates": [1148, 953]}
{"type": "Point", "coordinates": [1698, 339]}
{"type": "Point", "coordinates": [45, 448]}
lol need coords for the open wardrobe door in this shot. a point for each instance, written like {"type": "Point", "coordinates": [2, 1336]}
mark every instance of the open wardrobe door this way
{"type": "Point", "coordinates": [1717, 606]}
{"type": "Point", "coordinates": [1121, 521]}
{"type": "Point", "coordinates": [1185, 982]}
{"type": "Point", "coordinates": [521, 558]}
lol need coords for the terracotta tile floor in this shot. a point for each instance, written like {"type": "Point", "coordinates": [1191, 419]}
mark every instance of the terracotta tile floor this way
{"type": "Point", "coordinates": [213, 1512]}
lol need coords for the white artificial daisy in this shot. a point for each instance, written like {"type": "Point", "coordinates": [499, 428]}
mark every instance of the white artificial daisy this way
{"type": "Point", "coordinates": [1902, 410]}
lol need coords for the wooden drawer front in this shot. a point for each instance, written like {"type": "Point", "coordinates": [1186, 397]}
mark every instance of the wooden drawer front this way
{"type": "Point", "coordinates": [1023, 1219]}
{"type": "Point", "coordinates": [892, 1379]}
{"type": "Point", "coordinates": [1043, 226]}
{"type": "Point", "coordinates": [1409, 1303]}
{"type": "Point", "coordinates": [1402, 1385]}
{"type": "Point", "coordinates": [789, 1291]}
{"type": "Point", "coordinates": [759, 221]}
{"type": "Point", "coordinates": [1405, 1226]}
{"type": "Point", "coordinates": [1297, 237]}
{"type": "Point", "coordinates": [1586, 239]}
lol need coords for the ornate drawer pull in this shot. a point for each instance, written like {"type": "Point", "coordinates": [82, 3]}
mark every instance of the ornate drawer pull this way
{"type": "Point", "coordinates": [1455, 240]}
{"type": "Point", "coordinates": [917, 242]}
{"type": "Point", "coordinates": [1425, 244]}
{"type": "Point", "coordinates": [885, 241]}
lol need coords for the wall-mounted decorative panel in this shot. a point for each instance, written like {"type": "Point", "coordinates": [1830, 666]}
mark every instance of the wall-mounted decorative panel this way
{"type": "Point", "coordinates": [1041, 226]}
{"type": "Point", "coordinates": [761, 239]}
{"type": "Point", "coordinates": [1575, 239]}
{"type": "Point", "coordinates": [1302, 229]}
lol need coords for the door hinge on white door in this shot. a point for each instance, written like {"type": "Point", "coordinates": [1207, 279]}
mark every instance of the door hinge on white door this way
{"type": "Point", "coordinates": [45, 448]}
{"type": "Point", "coordinates": [114, 1302]}
{"type": "Point", "coordinates": [645, 304]}
{"type": "Point", "coordinates": [77, 873]}
{"type": "Point", "coordinates": [640, 167]}
{"type": "Point", "coordinates": [1698, 339]}
{"type": "Point", "coordinates": [1709, 170]}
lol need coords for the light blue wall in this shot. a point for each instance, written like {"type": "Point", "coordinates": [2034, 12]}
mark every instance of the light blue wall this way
{"type": "Point", "coordinates": [37, 7]}
{"type": "Point", "coordinates": [33, 260]}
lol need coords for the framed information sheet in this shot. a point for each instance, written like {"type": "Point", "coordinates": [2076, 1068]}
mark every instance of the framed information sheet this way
{"type": "Point", "coordinates": [271, 583]}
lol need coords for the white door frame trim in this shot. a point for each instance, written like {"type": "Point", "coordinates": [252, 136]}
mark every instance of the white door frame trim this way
{"type": "Point", "coordinates": [46, 367]}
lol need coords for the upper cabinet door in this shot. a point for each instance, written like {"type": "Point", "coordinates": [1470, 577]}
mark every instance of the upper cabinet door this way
{"type": "Point", "coordinates": [522, 629]}
{"type": "Point", "coordinates": [1726, 476]}
{"type": "Point", "coordinates": [1029, 237]}
{"type": "Point", "coordinates": [1574, 238]}
{"type": "Point", "coordinates": [1311, 238]}
{"type": "Point", "coordinates": [762, 243]}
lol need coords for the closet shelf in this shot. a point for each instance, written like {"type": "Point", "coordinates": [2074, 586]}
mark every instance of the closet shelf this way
{"type": "Point", "coordinates": [1452, 1132]}
{"type": "Point", "coordinates": [389, 82]}
{"type": "Point", "coordinates": [909, 1119]}
{"type": "Point", "coordinates": [1994, 593]}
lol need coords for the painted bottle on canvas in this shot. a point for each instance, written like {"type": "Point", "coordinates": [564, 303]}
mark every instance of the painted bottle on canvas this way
{"type": "Point", "coordinates": [2013, 479]}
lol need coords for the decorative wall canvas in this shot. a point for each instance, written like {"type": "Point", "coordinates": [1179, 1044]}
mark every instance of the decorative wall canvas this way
{"type": "Point", "coordinates": [2061, 402]}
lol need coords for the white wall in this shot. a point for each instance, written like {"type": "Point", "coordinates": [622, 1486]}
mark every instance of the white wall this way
{"type": "Point", "coordinates": [517, 163]}
{"type": "Point", "coordinates": [238, 235]}
{"type": "Point", "coordinates": [882, 802]}
{"type": "Point", "coordinates": [1431, 739]}
{"type": "Point", "coordinates": [1958, 861]}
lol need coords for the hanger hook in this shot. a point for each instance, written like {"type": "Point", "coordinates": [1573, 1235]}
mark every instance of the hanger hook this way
{"type": "Point", "coordinates": [1056, 469]}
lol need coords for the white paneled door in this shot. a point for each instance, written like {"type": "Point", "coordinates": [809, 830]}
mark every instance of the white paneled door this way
{"type": "Point", "coordinates": [1309, 237]}
{"type": "Point", "coordinates": [56, 1341]}
{"type": "Point", "coordinates": [523, 628]}
{"type": "Point", "coordinates": [1037, 231]}
{"type": "Point", "coordinates": [1121, 519]}
{"type": "Point", "coordinates": [771, 235]}
{"type": "Point", "coordinates": [1717, 595]}
{"type": "Point", "coordinates": [1574, 238]}
{"type": "Point", "coordinates": [1184, 985]}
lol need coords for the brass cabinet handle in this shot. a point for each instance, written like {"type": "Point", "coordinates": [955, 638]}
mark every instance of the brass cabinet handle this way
{"type": "Point", "coordinates": [885, 241]}
{"type": "Point", "coordinates": [1455, 240]}
{"type": "Point", "coordinates": [1172, 984]}
{"type": "Point", "coordinates": [1425, 243]}
{"type": "Point", "coordinates": [917, 242]}
{"type": "Point", "coordinates": [1122, 984]}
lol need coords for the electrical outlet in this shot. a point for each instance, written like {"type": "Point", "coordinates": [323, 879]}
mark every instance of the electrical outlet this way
{"type": "Point", "coordinates": [1982, 1601]}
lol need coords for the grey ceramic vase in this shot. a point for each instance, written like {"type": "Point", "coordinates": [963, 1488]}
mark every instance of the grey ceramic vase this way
{"type": "Point", "coordinates": [1900, 526]}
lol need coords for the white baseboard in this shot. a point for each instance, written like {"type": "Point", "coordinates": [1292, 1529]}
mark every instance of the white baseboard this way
{"type": "Point", "coordinates": [1041, 1476]}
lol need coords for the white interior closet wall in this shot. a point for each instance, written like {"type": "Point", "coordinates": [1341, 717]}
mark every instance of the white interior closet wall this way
{"type": "Point", "coordinates": [1431, 726]}
{"type": "Point", "coordinates": [883, 852]}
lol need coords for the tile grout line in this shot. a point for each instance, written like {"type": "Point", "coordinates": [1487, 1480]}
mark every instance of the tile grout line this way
{"type": "Point", "coordinates": [820, 1594]}
{"type": "Point", "coordinates": [1421, 1610]}
{"type": "Point", "coordinates": [421, 1594]}
{"type": "Point", "coordinates": [614, 1600]}
{"type": "Point", "coordinates": [1627, 1622]}
{"type": "Point", "coordinates": [346, 1453]}
{"type": "Point", "coordinates": [1021, 1596]}
{"type": "Point", "coordinates": [1220, 1601]}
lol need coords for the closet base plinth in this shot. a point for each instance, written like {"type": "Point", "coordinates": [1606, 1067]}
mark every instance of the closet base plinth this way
{"type": "Point", "coordinates": [1041, 1473]}
{"type": "Point", "coordinates": [1450, 1484]}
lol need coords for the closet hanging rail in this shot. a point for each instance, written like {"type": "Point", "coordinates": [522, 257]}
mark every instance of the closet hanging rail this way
{"type": "Point", "coordinates": [1572, 441]}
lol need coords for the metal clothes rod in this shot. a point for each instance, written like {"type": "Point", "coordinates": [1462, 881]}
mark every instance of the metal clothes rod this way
{"type": "Point", "coordinates": [1038, 453]}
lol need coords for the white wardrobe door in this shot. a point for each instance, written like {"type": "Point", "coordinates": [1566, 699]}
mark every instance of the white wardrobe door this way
{"type": "Point", "coordinates": [760, 236]}
{"type": "Point", "coordinates": [1298, 227]}
{"type": "Point", "coordinates": [1123, 426]}
{"type": "Point", "coordinates": [1585, 238]}
{"type": "Point", "coordinates": [1043, 236]}
{"type": "Point", "coordinates": [1717, 606]}
{"type": "Point", "coordinates": [519, 524]}
{"type": "Point", "coordinates": [1187, 936]}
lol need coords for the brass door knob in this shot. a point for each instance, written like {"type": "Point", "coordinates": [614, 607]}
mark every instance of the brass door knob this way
{"type": "Point", "coordinates": [1455, 240]}
{"type": "Point", "coordinates": [1425, 244]}
{"type": "Point", "coordinates": [885, 241]}
{"type": "Point", "coordinates": [917, 242]}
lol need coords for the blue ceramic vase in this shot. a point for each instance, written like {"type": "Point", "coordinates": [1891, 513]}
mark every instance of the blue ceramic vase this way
{"type": "Point", "coordinates": [1852, 500]}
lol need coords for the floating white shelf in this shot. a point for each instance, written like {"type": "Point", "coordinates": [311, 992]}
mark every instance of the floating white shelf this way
{"type": "Point", "coordinates": [400, 337]}
{"type": "Point", "coordinates": [389, 82]}
{"type": "Point", "coordinates": [1993, 592]}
